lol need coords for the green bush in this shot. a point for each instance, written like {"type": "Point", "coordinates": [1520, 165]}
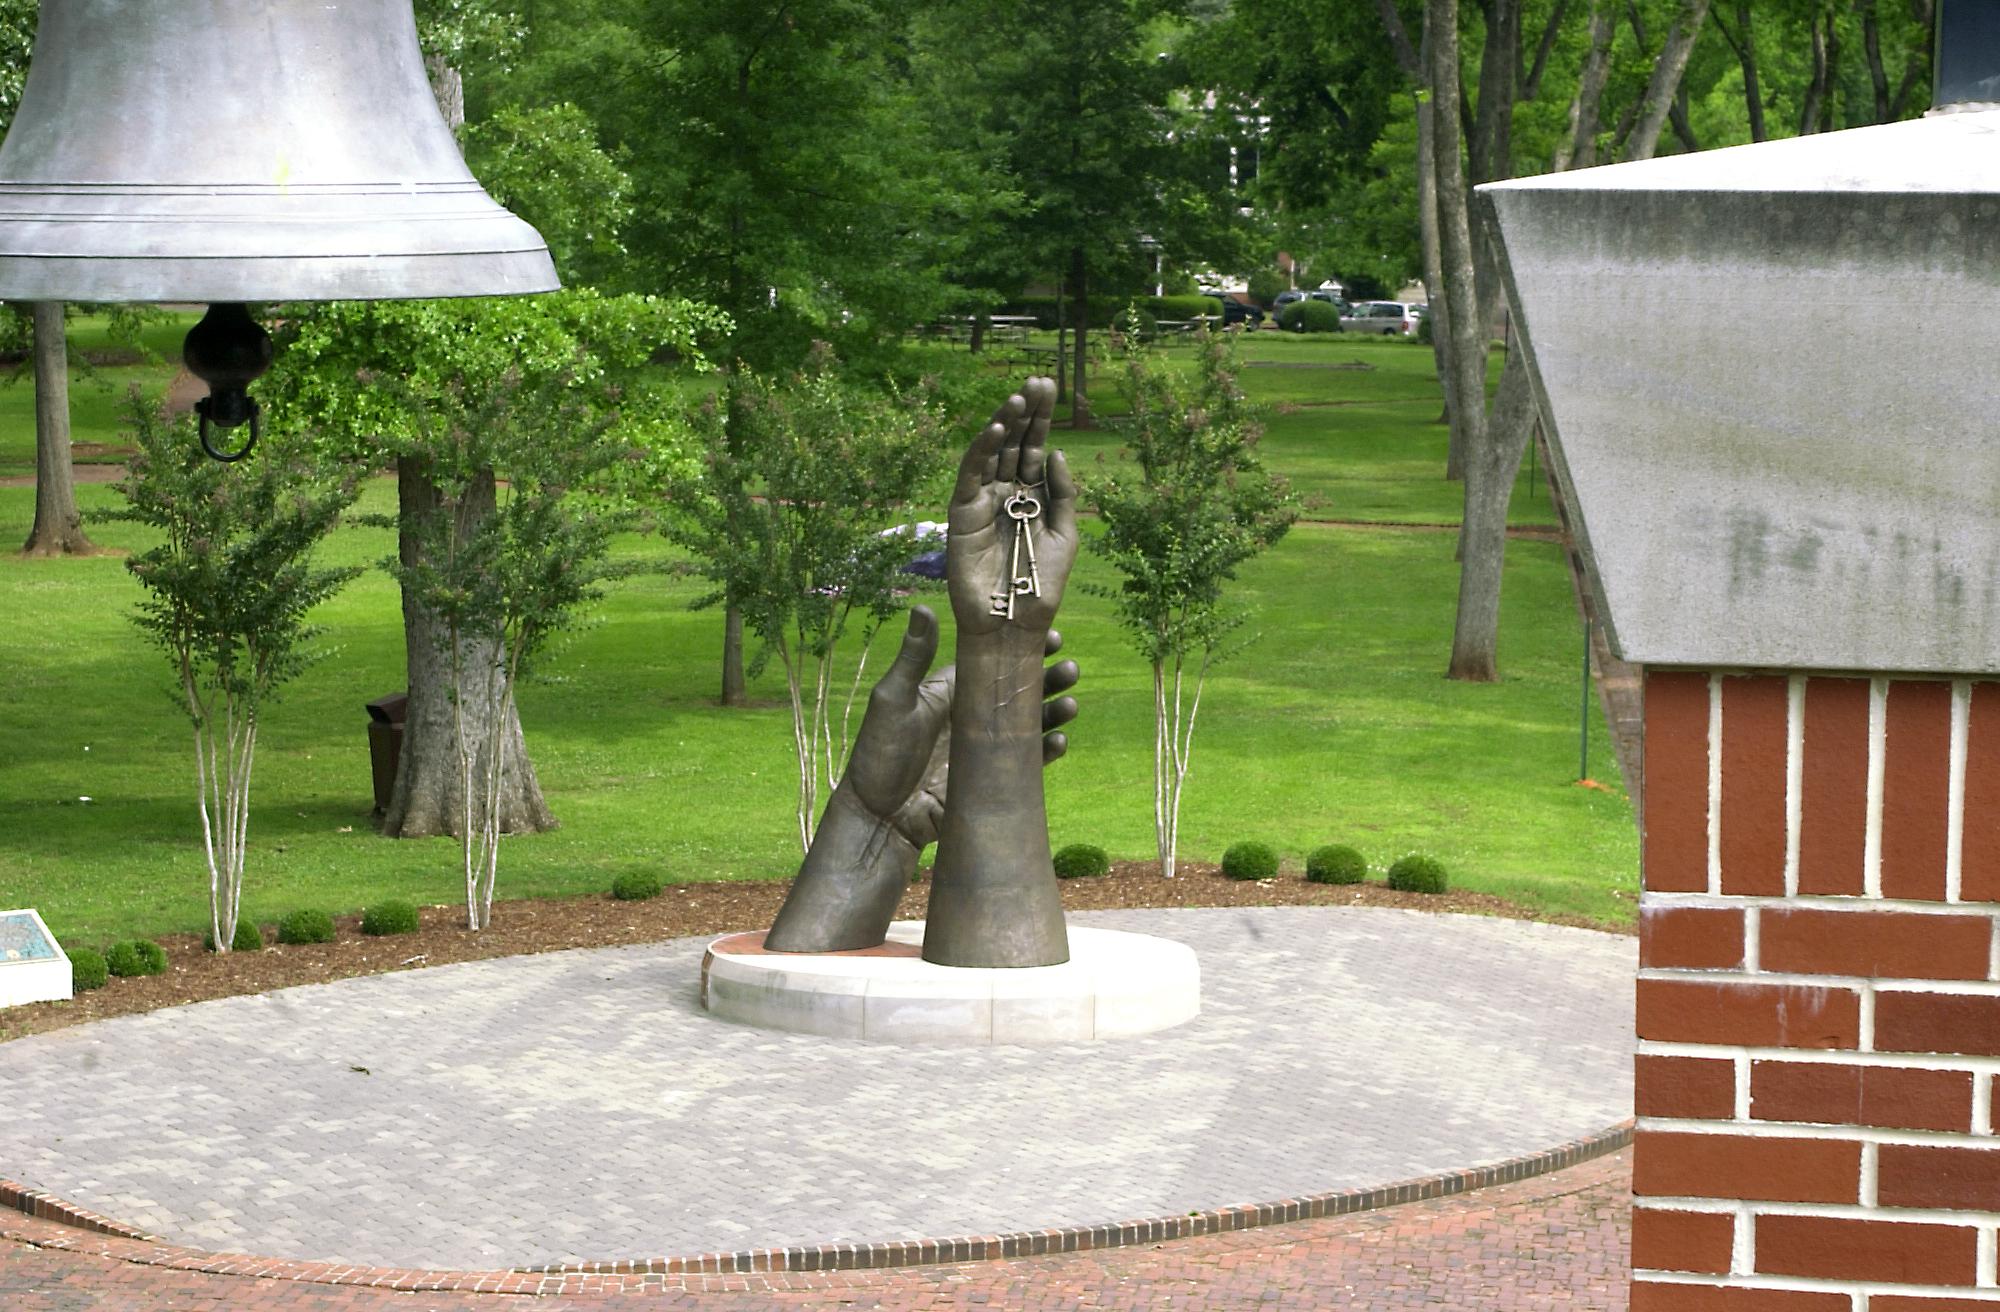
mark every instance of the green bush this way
{"type": "Point", "coordinates": [245, 939]}
{"type": "Point", "coordinates": [1265, 284]}
{"type": "Point", "coordinates": [1424, 329]}
{"type": "Point", "coordinates": [1135, 318]}
{"type": "Point", "coordinates": [1417, 873]}
{"type": "Point", "coordinates": [1082, 861]}
{"type": "Point", "coordinates": [135, 956]}
{"type": "Point", "coordinates": [87, 970]}
{"type": "Point", "coordinates": [635, 886]}
{"type": "Point", "coordinates": [392, 917]}
{"type": "Point", "coordinates": [1310, 317]}
{"type": "Point", "coordinates": [305, 926]}
{"type": "Point", "coordinates": [1250, 861]}
{"type": "Point", "coordinates": [1336, 864]}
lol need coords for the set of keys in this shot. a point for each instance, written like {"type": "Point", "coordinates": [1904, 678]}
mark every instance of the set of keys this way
{"type": "Point", "coordinates": [1024, 509]}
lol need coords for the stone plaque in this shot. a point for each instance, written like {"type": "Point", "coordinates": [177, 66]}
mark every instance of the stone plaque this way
{"type": "Point", "coordinates": [33, 967]}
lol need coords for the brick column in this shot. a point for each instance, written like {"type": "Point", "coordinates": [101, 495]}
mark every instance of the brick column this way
{"type": "Point", "coordinates": [1819, 995]}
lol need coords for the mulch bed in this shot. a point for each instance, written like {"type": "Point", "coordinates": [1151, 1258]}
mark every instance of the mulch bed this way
{"type": "Point", "coordinates": [682, 910]}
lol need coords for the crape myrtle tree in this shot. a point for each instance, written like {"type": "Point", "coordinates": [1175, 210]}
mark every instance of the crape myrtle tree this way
{"type": "Point", "coordinates": [503, 567]}
{"type": "Point", "coordinates": [801, 513]}
{"type": "Point", "coordinates": [328, 379]}
{"type": "Point", "coordinates": [228, 591]}
{"type": "Point", "coordinates": [1193, 504]}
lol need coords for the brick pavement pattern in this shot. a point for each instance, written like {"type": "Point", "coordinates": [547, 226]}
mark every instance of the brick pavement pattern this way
{"type": "Point", "coordinates": [1554, 1242]}
{"type": "Point", "coordinates": [578, 1106]}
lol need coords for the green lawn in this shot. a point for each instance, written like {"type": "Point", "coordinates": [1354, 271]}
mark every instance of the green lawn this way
{"type": "Point", "coordinates": [97, 396]}
{"type": "Point", "coordinates": [1334, 725]}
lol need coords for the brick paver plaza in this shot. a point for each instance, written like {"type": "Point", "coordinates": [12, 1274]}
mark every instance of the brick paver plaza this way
{"type": "Point", "coordinates": [578, 1106]}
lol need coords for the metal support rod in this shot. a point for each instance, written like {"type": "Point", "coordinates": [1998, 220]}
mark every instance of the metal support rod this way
{"type": "Point", "coordinates": [1583, 716]}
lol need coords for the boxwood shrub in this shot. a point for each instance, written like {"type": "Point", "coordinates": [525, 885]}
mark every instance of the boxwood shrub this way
{"type": "Point", "coordinates": [1336, 864]}
{"type": "Point", "coordinates": [305, 926]}
{"type": "Point", "coordinates": [1250, 860]}
{"type": "Point", "coordinates": [392, 917]}
{"type": "Point", "coordinates": [87, 970]}
{"type": "Point", "coordinates": [247, 938]}
{"type": "Point", "coordinates": [1310, 317]}
{"type": "Point", "coordinates": [1082, 861]}
{"type": "Point", "coordinates": [135, 956]}
{"type": "Point", "coordinates": [635, 886]}
{"type": "Point", "coordinates": [1417, 873]}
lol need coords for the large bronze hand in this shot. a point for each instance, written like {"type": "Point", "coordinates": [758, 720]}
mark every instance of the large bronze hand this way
{"type": "Point", "coordinates": [889, 803]}
{"type": "Point", "coordinates": [1009, 463]}
{"type": "Point", "coordinates": [994, 900]}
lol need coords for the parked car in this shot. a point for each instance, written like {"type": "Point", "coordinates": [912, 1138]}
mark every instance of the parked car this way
{"type": "Point", "coordinates": [1385, 317]}
{"type": "Point", "coordinates": [1236, 311]}
{"type": "Point", "coordinates": [1282, 299]}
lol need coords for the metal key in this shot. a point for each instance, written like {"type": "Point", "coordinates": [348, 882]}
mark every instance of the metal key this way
{"type": "Point", "coordinates": [1023, 508]}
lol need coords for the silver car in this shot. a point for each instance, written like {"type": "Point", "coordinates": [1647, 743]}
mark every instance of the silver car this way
{"type": "Point", "coordinates": [1384, 317]}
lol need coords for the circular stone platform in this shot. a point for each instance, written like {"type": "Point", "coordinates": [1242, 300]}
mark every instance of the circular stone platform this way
{"type": "Point", "coordinates": [1114, 984]}
{"type": "Point", "coordinates": [580, 1106]}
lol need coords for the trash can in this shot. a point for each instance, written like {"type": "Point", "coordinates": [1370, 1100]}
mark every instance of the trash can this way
{"type": "Point", "coordinates": [385, 744]}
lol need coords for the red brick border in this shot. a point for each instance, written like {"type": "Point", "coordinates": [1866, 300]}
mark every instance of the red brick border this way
{"type": "Point", "coordinates": [128, 1245]}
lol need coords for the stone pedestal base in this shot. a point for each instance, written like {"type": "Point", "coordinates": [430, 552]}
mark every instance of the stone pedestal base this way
{"type": "Point", "coordinates": [1114, 984]}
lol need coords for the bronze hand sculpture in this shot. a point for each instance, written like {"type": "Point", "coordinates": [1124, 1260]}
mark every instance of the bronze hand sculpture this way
{"type": "Point", "coordinates": [1012, 542]}
{"type": "Point", "coordinates": [886, 810]}
{"type": "Point", "coordinates": [983, 726]}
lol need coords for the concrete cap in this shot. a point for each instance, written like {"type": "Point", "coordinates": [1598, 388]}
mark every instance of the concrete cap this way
{"type": "Point", "coordinates": [1768, 376]}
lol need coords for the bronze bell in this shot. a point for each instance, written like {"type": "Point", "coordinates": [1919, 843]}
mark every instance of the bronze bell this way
{"type": "Point", "coordinates": [243, 150]}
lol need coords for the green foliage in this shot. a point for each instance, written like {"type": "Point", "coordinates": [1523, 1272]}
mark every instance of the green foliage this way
{"type": "Point", "coordinates": [226, 595]}
{"type": "Point", "coordinates": [1250, 860]}
{"type": "Point", "coordinates": [1310, 317]}
{"type": "Point", "coordinates": [1192, 506]}
{"type": "Point", "coordinates": [17, 40]}
{"type": "Point", "coordinates": [394, 916]}
{"type": "Point", "coordinates": [135, 956]}
{"type": "Point", "coordinates": [1417, 873]}
{"type": "Point", "coordinates": [230, 585]}
{"type": "Point", "coordinates": [1265, 284]}
{"type": "Point", "coordinates": [87, 969]}
{"type": "Point", "coordinates": [333, 358]}
{"type": "Point", "coordinates": [1336, 864]}
{"type": "Point", "coordinates": [545, 165]}
{"type": "Point", "coordinates": [1082, 861]}
{"type": "Point", "coordinates": [802, 518]}
{"type": "Point", "coordinates": [248, 938]}
{"type": "Point", "coordinates": [635, 886]}
{"type": "Point", "coordinates": [305, 926]}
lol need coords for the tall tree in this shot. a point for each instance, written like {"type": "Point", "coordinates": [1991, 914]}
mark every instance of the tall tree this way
{"type": "Point", "coordinates": [1094, 137]}
{"type": "Point", "coordinates": [58, 528]}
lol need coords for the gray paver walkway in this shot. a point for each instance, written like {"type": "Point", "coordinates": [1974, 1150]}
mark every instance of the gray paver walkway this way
{"type": "Point", "coordinates": [579, 1106]}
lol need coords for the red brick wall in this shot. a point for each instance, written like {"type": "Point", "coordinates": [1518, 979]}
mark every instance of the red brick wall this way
{"type": "Point", "coordinates": [1819, 996]}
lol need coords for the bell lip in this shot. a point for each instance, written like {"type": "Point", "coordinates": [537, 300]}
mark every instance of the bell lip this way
{"type": "Point", "coordinates": [265, 279]}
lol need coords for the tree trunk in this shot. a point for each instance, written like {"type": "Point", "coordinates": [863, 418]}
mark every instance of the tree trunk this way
{"type": "Point", "coordinates": [1744, 43]}
{"type": "Point", "coordinates": [734, 692]}
{"type": "Point", "coordinates": [58, 529]}
{"type": "Point", "coordinates": [1489, 486]}
{"type": "Point", "coordinates": [429, 798]}
{"type": "Point", "coordinates": [1579, 149]}
{"type": "Point", "coordinates": [1434, 290]}
{"type": "Point", "coordinates": [1079, 396]}
{"type": "Point", "coordinates": [1665, 83]}
{"type": "Point", "coordinates": [1466, 393]}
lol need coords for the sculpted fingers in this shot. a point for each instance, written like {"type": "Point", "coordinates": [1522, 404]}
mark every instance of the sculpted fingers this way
{"type": "Point", "coordinates": [913, 659]}
{"type": "Point", "coordinates": [1061, 511]}
{"type": "Point", "coordinates": [1060, 677]}
{"type": "Point", "coordinates": [981, 458]}
{"type": "Point", "coordinates": [1053, 746]}
{"type": "Point", "coordinates": [1040, 394]}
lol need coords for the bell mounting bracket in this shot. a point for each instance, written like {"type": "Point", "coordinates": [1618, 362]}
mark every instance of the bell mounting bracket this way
{"type": "Point", "coordinates": [228, 350]}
